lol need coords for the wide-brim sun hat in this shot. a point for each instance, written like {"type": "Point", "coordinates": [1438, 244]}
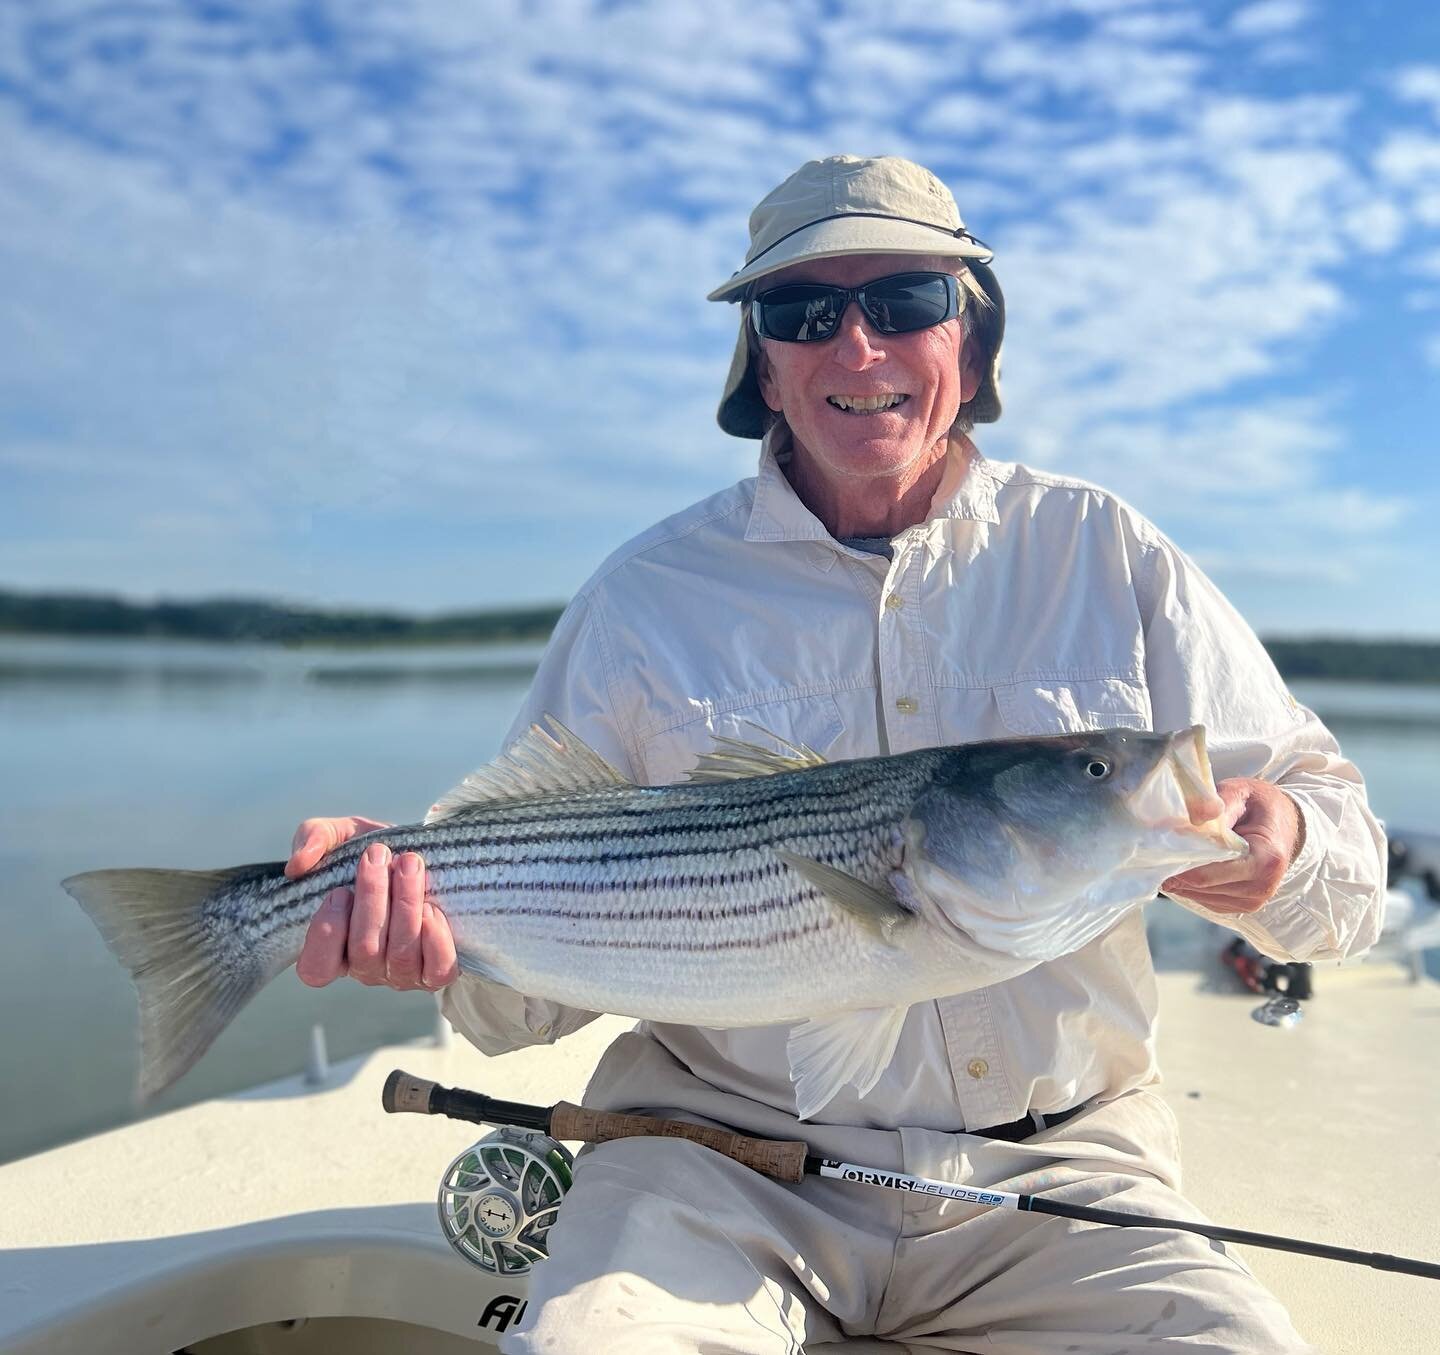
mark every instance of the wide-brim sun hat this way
{"type": "Point", "coordinates": [849, 204]}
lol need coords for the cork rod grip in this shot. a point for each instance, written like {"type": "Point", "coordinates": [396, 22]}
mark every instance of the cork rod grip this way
{"type": "Point", "coordinates": [783, 1159]}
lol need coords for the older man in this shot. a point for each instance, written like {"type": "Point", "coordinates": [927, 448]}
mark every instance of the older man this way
{"type": "Point", "coordinates": [879, 587]}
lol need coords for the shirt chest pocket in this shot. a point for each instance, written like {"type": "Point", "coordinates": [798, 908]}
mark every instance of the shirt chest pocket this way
{"type": "Point", "coordinates": [670, 754]}
{"type": "Point", "coordinates": [1052, 707]}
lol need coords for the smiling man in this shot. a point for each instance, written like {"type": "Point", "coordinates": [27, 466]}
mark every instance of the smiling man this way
{"type": "Point", "coordinates": [877, 587]}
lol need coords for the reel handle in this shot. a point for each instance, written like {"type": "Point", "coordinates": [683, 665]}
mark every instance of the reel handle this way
{"type": "Point", "coordinates": [783, 1159]}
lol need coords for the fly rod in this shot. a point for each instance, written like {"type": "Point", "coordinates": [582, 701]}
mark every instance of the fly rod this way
{"type": "Point", "coordinates": [791, 1160]}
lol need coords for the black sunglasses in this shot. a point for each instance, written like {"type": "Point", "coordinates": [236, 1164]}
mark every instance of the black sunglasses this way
{"type": "Point", "coordinates": [810, 312]}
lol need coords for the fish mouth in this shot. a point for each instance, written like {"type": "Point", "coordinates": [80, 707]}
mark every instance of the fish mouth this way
{"type": "Point", "coordinates": [1179, 798]}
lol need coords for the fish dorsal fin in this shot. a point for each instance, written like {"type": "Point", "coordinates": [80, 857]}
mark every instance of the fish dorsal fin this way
{"type": "Point", "coordinates": [539, 762]}
{"type": "Point", "coordinates": [735, 759]}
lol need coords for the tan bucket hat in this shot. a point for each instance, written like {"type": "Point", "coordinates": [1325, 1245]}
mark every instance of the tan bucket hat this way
{"type": "Point", "coordinates": [849, 204]}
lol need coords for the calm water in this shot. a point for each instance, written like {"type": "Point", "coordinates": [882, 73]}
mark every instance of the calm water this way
{"type": "Point", "coordinates": [117, 753]}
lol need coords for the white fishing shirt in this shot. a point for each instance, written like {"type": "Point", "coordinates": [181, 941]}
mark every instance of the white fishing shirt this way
{"type": "Point", "coordinates": [1026, 603]}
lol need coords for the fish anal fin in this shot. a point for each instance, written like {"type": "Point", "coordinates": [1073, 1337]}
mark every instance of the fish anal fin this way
{"type": "Point", "coordinates": [541, 761]}
{"type": "Point", "coordinates": [878, 910]}
{"type": "Point", "coordinates": [827, 1052]}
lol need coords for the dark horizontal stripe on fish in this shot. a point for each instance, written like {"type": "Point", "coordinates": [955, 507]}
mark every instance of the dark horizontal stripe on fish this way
{"type": "Point", "coordinates": [785, 832]}
{"type": "Point", "coordinates": [647, 884]}
{"type": "Point", "coordinates": [704, 947]}
{"type": "Point", "coordinates": [508, 870]}
{"type": "Point", "coordinates": [677, 914]}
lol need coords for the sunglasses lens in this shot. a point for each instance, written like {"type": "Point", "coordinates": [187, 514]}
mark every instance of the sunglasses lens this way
{"type": "Point", "coordinates": [798, 313]}
{"type": "Point", "coordinates": [909, 301]}
{"type": "Point", "coordinates": [806, 311]}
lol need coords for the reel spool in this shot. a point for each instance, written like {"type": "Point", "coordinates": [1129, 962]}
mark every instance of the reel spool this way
{"type": "Point", "coordinates": [499, 1198]}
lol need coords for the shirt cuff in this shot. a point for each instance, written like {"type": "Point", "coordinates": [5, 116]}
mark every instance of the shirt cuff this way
{"type": "Point", "coordinates": [497, 1019]}
{"type": "Point", "coordinates": [1305, 868]}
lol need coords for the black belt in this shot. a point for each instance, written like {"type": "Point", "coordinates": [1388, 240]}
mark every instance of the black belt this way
{"type": "Point", "coordinates": [1026, 1125]}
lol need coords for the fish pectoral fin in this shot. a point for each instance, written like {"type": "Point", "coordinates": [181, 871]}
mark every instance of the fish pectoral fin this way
{"type": "Point", "coordinates": [827, 1052]}
{"type": "Point", "coordinates": [876, 909]}
{"type": "Point", "coordinates": [539, 762]}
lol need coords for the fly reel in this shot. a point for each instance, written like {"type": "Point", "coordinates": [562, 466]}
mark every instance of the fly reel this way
{"type": "Point", "coordinates": [499, 1198]}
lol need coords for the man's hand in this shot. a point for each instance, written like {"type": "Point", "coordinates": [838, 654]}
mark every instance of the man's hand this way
{"type": "Point", "coordinates": [384, 932]}
{"type": "Point", "coordinates": [1270, 822]}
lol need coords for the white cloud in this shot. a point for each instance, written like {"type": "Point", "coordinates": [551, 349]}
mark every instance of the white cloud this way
{"type": "Point", "coordinates": [1419, 84]}
{"type": "Point", "coordinates": [1267, 18]}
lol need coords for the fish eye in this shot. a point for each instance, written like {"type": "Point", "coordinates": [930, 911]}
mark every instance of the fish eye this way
{"type": "Point", "coordinates": [1097, 768]}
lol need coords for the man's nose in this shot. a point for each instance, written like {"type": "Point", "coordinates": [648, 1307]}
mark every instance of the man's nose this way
{"type": "Point", "coordinates": [857, 344]}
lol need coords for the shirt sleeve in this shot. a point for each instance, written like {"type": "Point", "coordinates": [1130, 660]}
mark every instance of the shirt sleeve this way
{"type": "Point", "coordinates": [1204, 665]}
{"type": "Point", "coordinates": [573, 685]}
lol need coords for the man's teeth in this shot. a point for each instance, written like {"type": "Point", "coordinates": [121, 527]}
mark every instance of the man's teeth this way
{"type": "Point", "coordinates": [865, 404]}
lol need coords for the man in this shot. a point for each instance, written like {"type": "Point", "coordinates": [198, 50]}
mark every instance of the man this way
{"type": "Point", "coordinates": [880, 587]}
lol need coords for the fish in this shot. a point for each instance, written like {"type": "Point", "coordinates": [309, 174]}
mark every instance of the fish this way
{"type": "Point", "coordinates": [770, 887]}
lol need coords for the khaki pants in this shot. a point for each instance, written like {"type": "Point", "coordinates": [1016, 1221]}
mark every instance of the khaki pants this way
{"type": "Point", "coordinates": [663, 1246]}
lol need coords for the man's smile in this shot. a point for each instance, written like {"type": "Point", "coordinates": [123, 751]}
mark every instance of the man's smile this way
{"type": "Point", "coordinates": [866, 404]}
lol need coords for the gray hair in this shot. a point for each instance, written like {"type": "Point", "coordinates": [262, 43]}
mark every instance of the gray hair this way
{"type": "Point", "coordinates": [977, 318]}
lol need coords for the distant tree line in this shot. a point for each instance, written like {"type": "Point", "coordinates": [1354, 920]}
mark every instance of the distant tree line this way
{"type": "Point", "coordinates": [266, 622]}
{"type": "Point", "coordinates": [1357, 660]}
{"type": "Point", "coordinates": [275, 623]}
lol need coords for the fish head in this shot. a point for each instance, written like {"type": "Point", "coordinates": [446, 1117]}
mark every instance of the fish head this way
{"type": "Point", "coordinates": [1035, 846]}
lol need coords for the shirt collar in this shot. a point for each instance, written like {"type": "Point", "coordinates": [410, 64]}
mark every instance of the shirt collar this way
{"type": "Point", "coordinates": [966, 493]}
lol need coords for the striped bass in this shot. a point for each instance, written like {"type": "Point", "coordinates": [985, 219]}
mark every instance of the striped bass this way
{"type": "Point", "coordinates": [771, 887]}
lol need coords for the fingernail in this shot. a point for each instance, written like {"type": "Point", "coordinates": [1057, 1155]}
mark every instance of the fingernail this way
{"type": "Point", "coordinates": [377, 854]}
{"type": "Point", "coordinates": [409, 864]}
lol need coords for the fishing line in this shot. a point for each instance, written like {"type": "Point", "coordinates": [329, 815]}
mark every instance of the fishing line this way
{"type": "Point", "coordinates": [791, 1160]}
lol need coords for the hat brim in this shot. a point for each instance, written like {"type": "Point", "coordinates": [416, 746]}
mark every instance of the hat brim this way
{"type": "Point", "coordinates": [852, 233]}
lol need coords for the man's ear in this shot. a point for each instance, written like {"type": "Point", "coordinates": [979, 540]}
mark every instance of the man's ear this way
{"type": "Point", "coordinates": [765, 378]}
{"type": "Point", "coordinates": [973, 360]}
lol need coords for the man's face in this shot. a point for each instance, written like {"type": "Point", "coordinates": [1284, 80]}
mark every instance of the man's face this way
{"type": "Point", "coordinates": [804, 380]}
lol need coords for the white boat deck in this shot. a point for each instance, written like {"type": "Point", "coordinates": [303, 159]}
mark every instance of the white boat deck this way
{"type": "Point", "coordinates": [284, 1202]}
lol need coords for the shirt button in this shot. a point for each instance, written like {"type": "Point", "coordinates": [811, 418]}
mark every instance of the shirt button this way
{"type": "Point", "coordinates": [907, 705]}
{"type": "Point", "coordinates": [977, 1068]}
{"type": "Point", "coordinates": [894, 602]}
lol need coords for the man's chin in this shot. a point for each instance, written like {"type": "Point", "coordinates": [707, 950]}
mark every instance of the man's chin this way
{"type": "Point", "coordinates": [872, 456]}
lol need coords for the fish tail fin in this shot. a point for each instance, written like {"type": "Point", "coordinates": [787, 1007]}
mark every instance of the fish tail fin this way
{"type": "Point", "coordinates": [153, 922]}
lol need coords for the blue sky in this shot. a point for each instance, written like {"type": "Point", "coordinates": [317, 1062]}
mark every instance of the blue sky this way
{"type": "Point", "coordinates": [403, 305]}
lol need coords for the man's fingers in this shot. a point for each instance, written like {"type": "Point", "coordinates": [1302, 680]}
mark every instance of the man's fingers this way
{"type": "Point", "coordinates": [407, 912]}
{"type": "Point", "coordinates": [370, 915]}
{"type": "Point", "coordinates": [437, 944]}
{"type": "Point", "coordinates": [322, 959]}
{"type": "Point", "coordinates": [312, 840]}
{"type": "Point", "coordinates": [1209, 877]}
{"type": "Point", "coordinates": [315, 837]}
